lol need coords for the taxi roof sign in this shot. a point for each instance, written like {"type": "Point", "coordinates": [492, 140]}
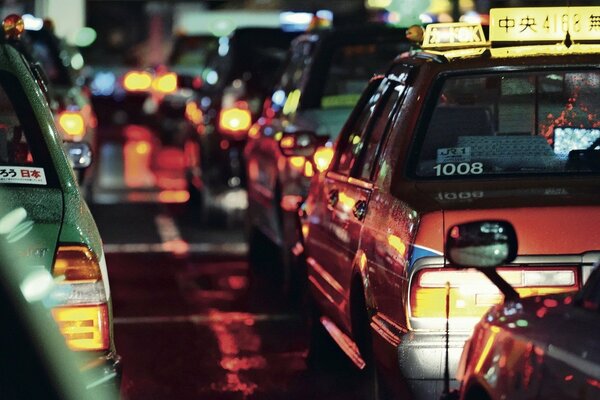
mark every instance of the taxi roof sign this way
{"type": "Point", "coordinates": [544, 24]}
{"type": "Point", "coordinates": [453, 35]}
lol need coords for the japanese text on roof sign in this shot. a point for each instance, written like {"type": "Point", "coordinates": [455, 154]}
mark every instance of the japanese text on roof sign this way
{"type": "Point", "coordinates": [453, 35]}
{"type": "Point", "coordinates": [544, 24]}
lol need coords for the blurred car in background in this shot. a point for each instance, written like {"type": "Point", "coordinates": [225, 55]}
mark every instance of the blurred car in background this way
{"type": "Point", "coordinates": [68, 97]}
{"type": "Point", "coordinates": [238, 75]}
{"type": "Point", "coordinates": [324, 75]}
{"type": "Point", "coordinates": [538, 347]}
{"type": "Point", "coordinates": [464, 129]}
{"type": "Point", "coordinates": [45, 220]}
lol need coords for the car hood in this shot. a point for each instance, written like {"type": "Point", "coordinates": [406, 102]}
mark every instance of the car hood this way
{"type": "Point", "coordinates": [30, 223]}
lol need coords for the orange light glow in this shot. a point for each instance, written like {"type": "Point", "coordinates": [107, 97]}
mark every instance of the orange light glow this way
{"type": "Point", "coordinates": [84, 327]}
{"type": "Point", "coordinates": [142, 148]}
{"type": "Point", "coordinates": [137, 81]}
{"type": "Point", "coordinates": [235, 120]}
{"type": "Point", "coordinates": [177, 246]}
{"type": "Point", "coordinates": [346, 201]}
{"type": "Point", "coordinates": [254, 131]}
{"type": "Point", "coordinates": [287, 142]}
{"type": "Point", "coordinates": [297, 162]}
{"type": "Point", "coordinates": [323, 157]}
{"type": "Point", "coordinates": [72, 123]}
{"type": "Point", "coordinates": [76, 263]}
{"type": "Point", "coordinates": [137, 172]}
{"type": "Point", "coordinates": [193, 113]}
{"type": "Point", "coordinates": [165, 83]}
{"type": "Point", "coordinates": [173, 196]}
{"type": "Point", "coordinates": [309, 171]}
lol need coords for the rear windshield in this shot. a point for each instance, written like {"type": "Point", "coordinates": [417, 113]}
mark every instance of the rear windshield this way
{"type": "Point", "coordinates": [24, 158]}
{"type": "Point", "coordinates": [513, 123]}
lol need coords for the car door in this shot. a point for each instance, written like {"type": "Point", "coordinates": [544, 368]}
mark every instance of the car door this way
{"type": "Point", "coordinates": [349, 184]}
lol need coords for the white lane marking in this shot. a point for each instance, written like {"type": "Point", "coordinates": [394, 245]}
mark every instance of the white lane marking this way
{"type": "Point", "coordinates": [200, 319]}
{"type": "Point", "coordinates": [239, 248]}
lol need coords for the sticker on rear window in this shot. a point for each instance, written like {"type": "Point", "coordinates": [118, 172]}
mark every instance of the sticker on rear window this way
{"type": "Point", "coordinates": [24, 175]}
{"type": "Point", "coordinates": [453, 155]}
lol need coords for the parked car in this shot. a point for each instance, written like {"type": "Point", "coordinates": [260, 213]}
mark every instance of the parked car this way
{"type": "Point", "coordinates": [239, 73]}
{"type": "Point", "coordinates": [539, 347]}
{"type": "Point", "coordinates": [68, 96]}
{"type": "Point", "coordinates": [45, 220]}
{"type": "Point", "coordinates": [461, 130]}
{"type": "Point", "coordinates": [323, 77]}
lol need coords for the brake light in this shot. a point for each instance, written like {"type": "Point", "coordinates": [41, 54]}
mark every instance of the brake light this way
{"type": "Point", "coordinates": [235, 121]}
{"type": "Point", "coordinates": [79, 299]}
{"type": "Point", "coordinates": [137, 81]}
{"type": "Point", "coordinates": [323, 157]}
{"type": "Point", "coordinates": [297, 162]}
{"type": "Point", "coordinates": [72, 123]}
{"type": "Point", "coordinates": [471, 293]}
{"type": "Point", "coordinates": [165, 83]}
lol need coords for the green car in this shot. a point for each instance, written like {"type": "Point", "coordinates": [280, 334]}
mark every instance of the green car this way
{"type": "Point", "coordinates": [44, 220]}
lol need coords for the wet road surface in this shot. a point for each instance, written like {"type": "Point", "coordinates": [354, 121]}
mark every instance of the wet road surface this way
{"type": "Point", "coordinates": [191, 320]}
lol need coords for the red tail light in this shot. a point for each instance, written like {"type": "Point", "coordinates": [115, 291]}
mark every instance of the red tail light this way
{"type": "Point", "coordinates": [137, 81]}
{"type": "Point", "coordinates": [235, 121]}
{"type": "Point", "coordinates": [72, 124]}
{"type": "Point", "coordinates": [471, 293]}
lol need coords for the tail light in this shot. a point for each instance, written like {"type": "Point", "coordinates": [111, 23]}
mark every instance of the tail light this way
{"type": "Point", "coordinates": [72, 124]}
{"type": "Point", "coordinates": [137, 81]}
{"type": "Point", "coordinates": [165, 83]}
{"type": "Point", "coordinates": [323, 157]}
{"type": "Point", "coordinates": [79, 299]}
{"type": "Point", "coordinates": [471, 293]}
{"type": "Point", "coordinates": [235, 121]}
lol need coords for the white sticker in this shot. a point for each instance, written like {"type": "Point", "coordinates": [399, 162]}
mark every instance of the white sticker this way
{"type": "Point", "coordinates": [453, 155]}
{"type": "Point", "coordinates": [25, 175]}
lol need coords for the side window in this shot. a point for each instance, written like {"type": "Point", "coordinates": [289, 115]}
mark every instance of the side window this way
{"type": "Point", "coordinates": [394, 91]}
{"type": "Point", "coordinates": [352, 138]}
{"type": "Point", "coordinates": [14, 149]}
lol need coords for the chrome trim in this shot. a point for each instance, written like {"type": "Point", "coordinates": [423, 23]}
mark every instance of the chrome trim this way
{"type": "Point", "coordinates": [336, 176]}
{"type": "Point", "coordinates": [361, 183]}
{"type": "Point", "coordinates": [327, 277]}
{"type": "Point", "coordinates": [348, 346]}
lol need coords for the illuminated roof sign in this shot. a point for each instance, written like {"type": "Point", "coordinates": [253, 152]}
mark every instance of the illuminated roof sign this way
{"type": "Point", "coordinates": [453, 35]}
{"type": "Point", "coordinates": [544, 24]}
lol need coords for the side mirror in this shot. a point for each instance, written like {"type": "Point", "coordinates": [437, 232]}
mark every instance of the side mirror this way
{"type": "Point", "coordinates": [484, 245]}
{"type": "Point", "coordinates": [300, 143]}
{"type": "Point", "coordinates": [79, 154]}
{"type": "Point", "coordinates": [481, 244]}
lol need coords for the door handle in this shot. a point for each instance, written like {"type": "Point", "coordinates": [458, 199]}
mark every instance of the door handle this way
{"type": "Point", "coordinates": [360, 210]}
{"type": "Point", "coordinates": [333, 197]}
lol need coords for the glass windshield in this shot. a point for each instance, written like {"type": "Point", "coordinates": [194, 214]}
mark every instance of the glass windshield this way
{"type": "Point", "coordinates": [513, 123]}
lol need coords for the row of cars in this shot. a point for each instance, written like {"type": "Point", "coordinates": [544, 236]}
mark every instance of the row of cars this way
{"type": "Point", "coordinates": [54, 275]}
{"type": "Point", "coordinates": [370, 193]}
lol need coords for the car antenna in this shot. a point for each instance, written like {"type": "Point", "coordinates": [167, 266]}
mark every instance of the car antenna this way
{"type": "Point", "coordinates": [447, 394]}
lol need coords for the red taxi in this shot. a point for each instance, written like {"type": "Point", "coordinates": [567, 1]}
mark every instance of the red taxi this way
{"type": "Point", "coordinates": [463, 130]}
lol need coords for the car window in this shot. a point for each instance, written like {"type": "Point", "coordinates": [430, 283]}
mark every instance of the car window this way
{"type": "Point", "coordinates": [393, 91]}
{"type": "Point", "coordinates": [513, 123]}
{"type": "Point", "coordinates": [24, 157]}
{"type": "Point", "coordinates": [354, 133]}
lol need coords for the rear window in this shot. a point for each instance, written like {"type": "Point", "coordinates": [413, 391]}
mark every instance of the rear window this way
{"type": "Point", "coordinates": [24, 158]}
{"type": "Point", "coordinates": [513, 123]}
